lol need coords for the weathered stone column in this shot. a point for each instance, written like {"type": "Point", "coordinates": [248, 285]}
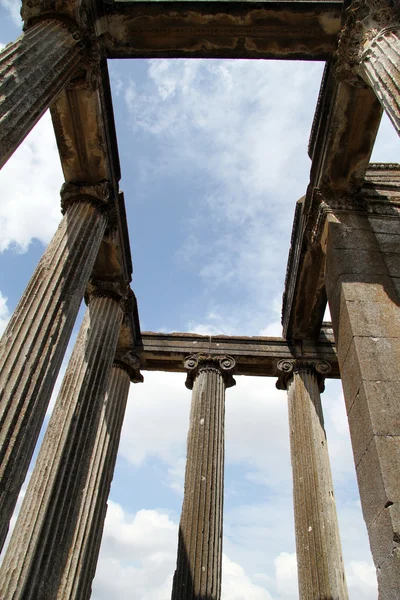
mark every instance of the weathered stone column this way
{"type": "Point", "coordinates": [198, 569]}
{"type": "Point", "coordinates": [33, 346]}
{"type": "Point", "coordinates": [362, 284]}
{"type": "Point", "coordinates": [319, 554]}
{"type": "Point", "coordinates": [33, 70]}
{"type": "Point", "coordinates": [73, 468]}
{"type": "Point", "coordinates": [369, 52]}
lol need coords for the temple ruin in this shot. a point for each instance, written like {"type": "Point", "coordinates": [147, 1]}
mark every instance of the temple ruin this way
{"type": "Point", "coordinates": [344, 250]}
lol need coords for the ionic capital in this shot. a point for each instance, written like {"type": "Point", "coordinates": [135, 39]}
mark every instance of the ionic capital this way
{"type": "Point", "coordinates": [129, 362]}
{"type": "Point", "coordinates": [366, 22]}
{"type": "Point", "coordinates": [113, 288]}
{"type": "Point", "coordinates": [288, 367]}
{"type": "Point", "coordinates": [197, 363]}
{"type": "Point", "coordinates": [100, 195]}
{"type": "Point", "coordinates": [75, 12]}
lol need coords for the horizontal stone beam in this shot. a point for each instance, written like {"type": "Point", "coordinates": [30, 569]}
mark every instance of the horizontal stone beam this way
{"type": "Point", "coordinates": [285, 30]}
{"type": "Point", "coordinates": [253, 355]}
{"type": "Point", "coordinates": [342, 138]}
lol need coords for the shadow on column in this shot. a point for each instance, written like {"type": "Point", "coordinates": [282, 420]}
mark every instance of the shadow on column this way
{"type": "Point", "coordinates": [184, 587]}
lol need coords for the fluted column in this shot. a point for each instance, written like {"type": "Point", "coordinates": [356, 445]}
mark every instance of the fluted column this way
{"type": "Point", "coordinates": [33, 70]}
{"type": "Point", "coordinates": [319, 555]}
{"type": "Point", "coordinates": [81, 564]}
{"type": "Point", "coordinates": [369, 52]}
{"type": "Point", "coordinates": [198, 570]}
{"type": "Point", "coordinates": [33, 345]}
{"type": "Point", "coordinates": [55, 514]}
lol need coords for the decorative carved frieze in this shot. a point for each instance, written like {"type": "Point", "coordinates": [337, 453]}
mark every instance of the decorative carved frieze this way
{"type": "Point", "coordinates": [287, 368]}
{"type": "Point", "coordinates": [196, 363]}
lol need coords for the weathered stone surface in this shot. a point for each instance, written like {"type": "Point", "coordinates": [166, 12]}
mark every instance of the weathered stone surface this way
{"type": "Point", "coordinates": [369, 50]}
{"type": "Point", "coordinates": [319, 554]}
{"type": "Point", "coordinates": [366, 319]}
{"type": "Point", "coordinates": [33, 70]}
{"type": "Point", "coordinates": [300, 30]}
{"type": "Point", "coordinates": [33, 345]}
{"type": "Point", "coordinates": [253, 355]}
{"type": "Point", "coordinates": [198, 570]}
{"type": "Point", "coordinates": [47, 548]}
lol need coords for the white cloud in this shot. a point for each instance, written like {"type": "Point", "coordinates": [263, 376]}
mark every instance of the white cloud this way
{"type": "Point", "coordinates": [286, 575]}
{"type": "Point", "coordinates": [138, 558]}
{"type": "Point", "coordinates": [237, 148]}
{"type": "Point", "coordinates": [30, 190]}
{"type": "Point", "coordinates": [4, 313]}
{"type": "Point", "coordinates": [13, 7]}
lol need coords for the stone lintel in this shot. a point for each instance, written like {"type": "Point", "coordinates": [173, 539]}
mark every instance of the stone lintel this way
{"type": "Point", "coordinates": [254, 356]}
{"type": "Point", "coordinates": [288, 30]}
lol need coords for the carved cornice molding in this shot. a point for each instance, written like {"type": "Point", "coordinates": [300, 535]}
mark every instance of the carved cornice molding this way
{"type": "Point", "coordinates": [196, 363]}
{"type": "Point", "coordinates": [328, 201]}
{"type": "Point", "coordinates": [100, 195]}
{"type": "Point", "coordinates": [288, 368]}
{"type": "Point", "coordinates": [128, 361]}
{"type": "Point", "coordinates": [366, 22]}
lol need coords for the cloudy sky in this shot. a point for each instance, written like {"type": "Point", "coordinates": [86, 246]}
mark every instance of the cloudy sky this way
{"type": "Point", "coordinates": [213, 157]}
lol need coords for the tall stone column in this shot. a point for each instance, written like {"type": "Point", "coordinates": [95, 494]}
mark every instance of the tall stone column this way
{"type": "Point", "coordinates": [369, 52]}
{"type": "Point", "coordinates": [319, 554]}
{"type": "Point", "coordinates": [33, 70]}
{"type": "Point", "coordinates": [198, 569]}
{"type": "Point", "coordinates": [74, 466]}
{"type": "Point", "coordinates": [33, 346]}
{"type": "Point", "coordinates": [362, 284]}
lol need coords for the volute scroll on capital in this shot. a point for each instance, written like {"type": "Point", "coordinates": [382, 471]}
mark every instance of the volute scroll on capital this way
{"type": "Point", "coordinates": [195, 363]}
{"type": "Point", "coordinates": [76, 13]}
{"type": "Point", "coordinates": [100, 195]}
{"type": "Point", "coordinates": [286, 369]}
{"type": "Point", "coordinates": [108, 288]}
{"type": "Point", "coordinates": [129, 362]}
{"type": "Point", "coordinates": [366, 21]}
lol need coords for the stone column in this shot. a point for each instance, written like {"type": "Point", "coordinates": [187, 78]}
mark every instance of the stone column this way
{"type": "Point", "coordinates": [73, 469]}
{"type": "Point", "coordinates": [33, 346]}
{"type": "Point", "coordinates": [319, 554]}
{"type": "Point", "coordinates": [369, 52]}
{"type": "Point", "coordinates": [33, 70]}
{"type": "Point", "coordinates": [362, 284]}
{"type": "Point", "coordinates": [198, 570]}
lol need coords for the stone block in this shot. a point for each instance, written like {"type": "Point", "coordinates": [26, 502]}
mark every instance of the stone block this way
{"type": "Point", "coordinates": [378, 476]}
{"type": "Point", "coordinates": [375, 411]}
{"type": "Point", "coordinates": [392, 262]}
{"type": "Point", "coordinates": [354, 262]}
{"type": "Point", "coordinates": [343, 236]}
{"type": "Point", "coordinates": [384, 532]}
{"type": "Point", "coordinates": [388, 242]}
{"type": "Point", "coordinates": [384, 224]}
{"type": "Point", "coordinates": [351, 375]}
{"type": "Point", "coordinates": [389, 577]}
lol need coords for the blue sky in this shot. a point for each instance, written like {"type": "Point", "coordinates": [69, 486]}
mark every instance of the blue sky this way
{"type": "Point", "coordinates": [213, 158]}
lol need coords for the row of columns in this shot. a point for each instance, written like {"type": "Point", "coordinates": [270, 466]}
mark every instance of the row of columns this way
{"type": "Point", "coordinates": [54, 546]}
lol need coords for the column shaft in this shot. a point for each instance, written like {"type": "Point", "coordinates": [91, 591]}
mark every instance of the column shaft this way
{"type": "Point", "coordinates": [362, 283]}
{"type": "Point", "coordinates": [380, 68]}
{"type": "Point", "coordinates": [198, 571]}
{"type": "Point", "coordinates": [319, 554]}
{"type": "Point", "coordinates": [33, 70]}
{"type": "Point", "coordinates": [33, 346]}
{"type": "Point", "coordinates": [48, 547]}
